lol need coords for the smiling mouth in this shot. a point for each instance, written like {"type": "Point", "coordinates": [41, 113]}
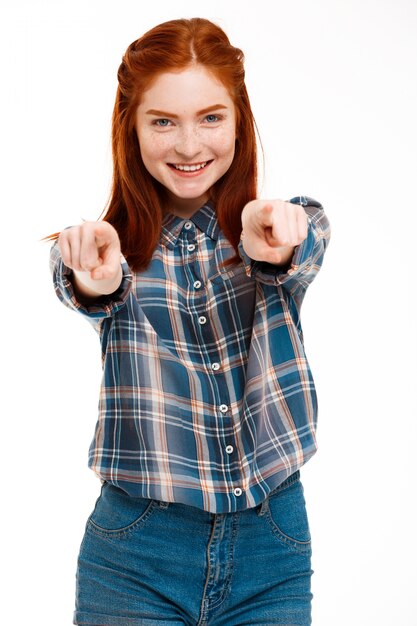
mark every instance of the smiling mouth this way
{"type": "Point", "coordinates": [191, 167]}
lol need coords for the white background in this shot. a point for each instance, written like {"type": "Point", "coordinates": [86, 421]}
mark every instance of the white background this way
{"type": "Point", "coordinates": [333, 85]}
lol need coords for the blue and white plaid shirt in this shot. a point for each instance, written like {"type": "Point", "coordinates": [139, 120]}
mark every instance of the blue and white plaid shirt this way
{"type": "Point", "coordinates": [207, 397]}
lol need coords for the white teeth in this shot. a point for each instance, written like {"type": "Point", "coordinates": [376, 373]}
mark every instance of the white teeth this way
{"type": "Point", "coordinates": [190, 168]}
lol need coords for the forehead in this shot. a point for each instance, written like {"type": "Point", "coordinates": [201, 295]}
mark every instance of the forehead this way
{"type": "Point", "coordinates": [194, 87]}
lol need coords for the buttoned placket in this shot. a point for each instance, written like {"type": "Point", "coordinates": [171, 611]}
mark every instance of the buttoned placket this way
{"type": "Point", "coordinates": [207, 337]}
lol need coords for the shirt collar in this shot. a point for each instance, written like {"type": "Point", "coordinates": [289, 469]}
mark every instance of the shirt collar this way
{"type": "Point", "coordinates": [204, 218]}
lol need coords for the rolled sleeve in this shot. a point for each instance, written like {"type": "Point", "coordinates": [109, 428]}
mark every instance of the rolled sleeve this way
{"type": "Point", "coordinates": [307, 259]}
{"type": "Point", "coordinates": [104, 306]}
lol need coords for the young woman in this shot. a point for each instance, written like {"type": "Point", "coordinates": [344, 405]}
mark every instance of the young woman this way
{"type": "Point", "coordinates": [208, 408]}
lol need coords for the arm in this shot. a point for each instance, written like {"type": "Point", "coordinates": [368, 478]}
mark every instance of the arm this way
{"type": "Point", "coordinates": [92, 251]}
{"type": "Point", "coordinates": [298, 267]}
{"type": "Point", "coordinates": [89, 273]}
{"type": "Point", "coordinates": [271, 229]}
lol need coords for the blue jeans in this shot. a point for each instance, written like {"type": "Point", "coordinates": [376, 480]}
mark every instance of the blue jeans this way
{"type": "Point", "coordinates": [145, 562]}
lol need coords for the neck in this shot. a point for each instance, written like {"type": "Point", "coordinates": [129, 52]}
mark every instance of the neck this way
{"type": "Point", "coordinates": [183, 207]}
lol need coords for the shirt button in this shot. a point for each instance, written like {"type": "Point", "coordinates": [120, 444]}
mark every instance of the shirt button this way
{"type": "Point", "coordinates": [197, 284]}
{"type": "Point", "coordinates": [202, 319]}
{"type": "Point", "coordinates": [237, 491]}
{"type": "Point", "coordinates": [223, 408]}
{"type": "Point", "coordinates": [229, 449]}
{"type": "Point", "coordinates": [191, 247]}
{"type": "Point", "coordinates": [215, 366]}
{"type": "Point", "coordinates": [188, 225]}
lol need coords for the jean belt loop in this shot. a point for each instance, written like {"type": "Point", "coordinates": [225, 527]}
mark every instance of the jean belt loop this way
{"type": "Point", "coordinates": [264, 507]}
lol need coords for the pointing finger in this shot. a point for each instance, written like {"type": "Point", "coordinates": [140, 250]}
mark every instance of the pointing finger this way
{"type": "Point", "coordinates": [89, 253]}
{"type": "Point", "coordinates": [266, 215]}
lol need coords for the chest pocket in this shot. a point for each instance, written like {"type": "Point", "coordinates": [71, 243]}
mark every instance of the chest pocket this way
{"type": "Point", "coordinates": [235, 295]}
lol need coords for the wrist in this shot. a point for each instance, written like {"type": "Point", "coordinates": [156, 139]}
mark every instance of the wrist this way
{"type": "Point", "coordinates": [93, 288]}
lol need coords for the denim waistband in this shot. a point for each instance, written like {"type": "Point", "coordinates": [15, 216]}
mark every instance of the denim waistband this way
{"type": "Point", "coordinates": [261, 507]}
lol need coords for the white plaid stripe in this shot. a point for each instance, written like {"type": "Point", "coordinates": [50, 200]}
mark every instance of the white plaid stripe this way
{"type": "Point", "coordinates": [161, 432]}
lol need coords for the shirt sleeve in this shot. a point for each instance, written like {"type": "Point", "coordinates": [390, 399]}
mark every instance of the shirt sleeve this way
{"type": "Point", "coordinates": [104, 306]}
{"type": "Point", "coordinates": [307, 259]}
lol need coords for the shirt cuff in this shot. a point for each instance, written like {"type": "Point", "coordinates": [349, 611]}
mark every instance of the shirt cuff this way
{"type": "Point", "coordinates": [103, 306]}
{"type": "Point", "coordinates": [271, 274]}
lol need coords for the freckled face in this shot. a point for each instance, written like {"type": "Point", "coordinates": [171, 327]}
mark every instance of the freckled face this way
{"type": "Point", "coordinates": [186, 127]}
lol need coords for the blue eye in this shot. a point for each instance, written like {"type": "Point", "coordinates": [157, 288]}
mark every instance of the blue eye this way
{"type": "Point", "coordinates": [212, 118]}
{"type": "Point", "coordinates": [162, 122]}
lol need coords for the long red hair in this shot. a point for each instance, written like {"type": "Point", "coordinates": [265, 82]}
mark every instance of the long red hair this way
{"type": "Point", "coordinates": [135, 204]}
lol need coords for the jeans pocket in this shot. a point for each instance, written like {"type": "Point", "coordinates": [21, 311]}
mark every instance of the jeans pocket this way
{"type": "Point", "coordinates": [287, 517]}
{"type": "Point", "coordinates": [116, 514]}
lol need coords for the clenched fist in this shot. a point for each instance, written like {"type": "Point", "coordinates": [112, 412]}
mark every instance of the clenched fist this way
{"type": "Point", "coordinates": [272, 229]}
{"type": "Point", "coordinates": [92, 251]}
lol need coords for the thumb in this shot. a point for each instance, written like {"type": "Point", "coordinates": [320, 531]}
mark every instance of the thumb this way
{"type": "Point", "coordinates": [110, 262]}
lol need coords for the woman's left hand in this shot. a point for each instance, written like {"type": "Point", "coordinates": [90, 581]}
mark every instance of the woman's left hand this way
{"type": "Point", "coordinates": [272, 229]}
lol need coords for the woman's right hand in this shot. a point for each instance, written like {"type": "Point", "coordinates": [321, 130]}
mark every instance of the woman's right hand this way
{"type": "Point", "coordinates": [92, 251]}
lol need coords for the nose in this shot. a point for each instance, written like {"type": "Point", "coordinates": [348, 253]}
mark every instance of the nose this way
{"type": "Point", "coordinates": [188, 144]}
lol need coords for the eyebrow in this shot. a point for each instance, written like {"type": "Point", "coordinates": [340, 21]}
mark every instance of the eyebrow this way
{"type": "Point", "coordinates": [173, 115]}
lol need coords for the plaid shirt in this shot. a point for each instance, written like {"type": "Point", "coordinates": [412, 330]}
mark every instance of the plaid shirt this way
{"type": "Point", "coordinates": [207, 397]}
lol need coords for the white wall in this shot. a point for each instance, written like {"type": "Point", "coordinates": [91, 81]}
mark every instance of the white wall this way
{"type": "Point", "coordinates": [334, 90]}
